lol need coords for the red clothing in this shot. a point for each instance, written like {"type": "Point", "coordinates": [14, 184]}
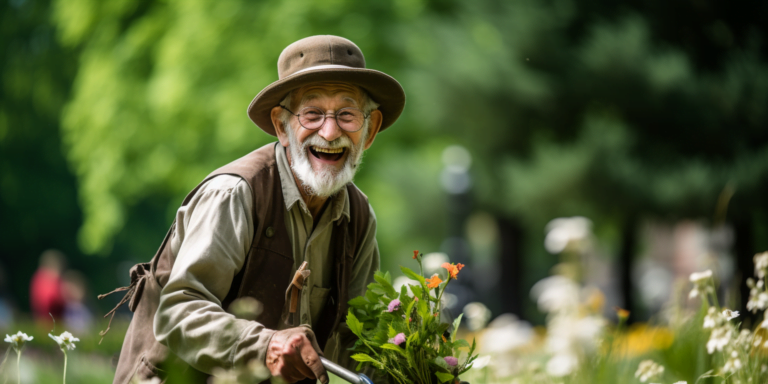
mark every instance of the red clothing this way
{"type": "Point", "coordinates": [46, 295]}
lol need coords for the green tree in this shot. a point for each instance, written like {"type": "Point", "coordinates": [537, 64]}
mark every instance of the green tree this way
{"type": "Point", "coordinates": [615, 111]}
{"type": "Point", "coordinates": [38, 202]}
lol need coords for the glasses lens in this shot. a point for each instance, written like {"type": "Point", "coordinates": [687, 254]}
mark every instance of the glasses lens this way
{"type": "Point", "coordinates": [350, 119]}
{"type": "Point", "coordinates": [311, 118]}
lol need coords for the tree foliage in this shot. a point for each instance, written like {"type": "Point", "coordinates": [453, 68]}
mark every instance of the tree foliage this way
{"type": "Point", "coordinates": [598, 108]}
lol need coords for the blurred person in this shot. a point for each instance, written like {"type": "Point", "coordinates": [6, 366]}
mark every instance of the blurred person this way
{"type": "Point", "coordinates": [45, 290]}
{"type": "Point", "coordinates": [6, 304]}
{"type": "Point", "coordinates": [76, 316]}
{"type": "Point", "coordinates": [258, 226]}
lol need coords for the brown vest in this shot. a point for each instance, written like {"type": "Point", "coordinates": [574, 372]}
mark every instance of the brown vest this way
{"type": "Point", "coordinates": [265, 275]}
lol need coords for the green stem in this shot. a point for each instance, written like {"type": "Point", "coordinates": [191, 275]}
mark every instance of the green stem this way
{"type": "Point", "coordinates": [364, 342]}
{"type": "Point", "coordinates": [421, 270]}
{"type": "Point", "coordinates": [440, 297]}
{"type": "Point", "coordinates": [65, 366]}
{"type": "Point", "coordinates": [18, 366]}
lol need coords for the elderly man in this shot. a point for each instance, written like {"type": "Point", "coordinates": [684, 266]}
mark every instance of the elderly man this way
{"type": "Point", "coordinates": [283, 224]}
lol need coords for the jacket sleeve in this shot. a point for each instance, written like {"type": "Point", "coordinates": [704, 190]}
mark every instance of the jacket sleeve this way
{"type": "Point", "coordinates": [212, 237]}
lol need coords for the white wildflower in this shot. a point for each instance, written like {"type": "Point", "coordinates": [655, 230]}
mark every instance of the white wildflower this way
{"type": "Point", "coordinates": [712, 319]}
{"type": "Point", "coordinates": [18, 340]}
{"type": "Point", "coordinates": [701, 284]}
{"type": "Point", "coordinates": [761, 264]}
{"type": "Point", "coordinates": [647, 370]}
{"type": "Point", "coordinates": [681, 382]}
{"type": "Point", "coordinates": [504, 334]}
{"type": "Point", "coordinates": [562, 364]}
{"type": "Point", "coordinates": [764, 324]}
{"type": "Point", "coordinates": [567, 231]}
{"type": "Point", "coordinates": [482, 362]}
{"type": "Point", "coordinates": [733, 364]}
{"type": "Point", "coordinates": [744, 338]}
{"type": "Point", "coordinates": [758, 298]}
{"type": "Point", "coordinates": [556, 294]}
{"type": "Point", "coordinates": [719, 338]}
{"type": "Point", "coordinates": [65, 340]}
{"type": "Point", "coordinates": [698, 277]}
{"type": "Point", "coordinates": [758, 340]}
{"type": "Point", "coordinates": [730, 314]}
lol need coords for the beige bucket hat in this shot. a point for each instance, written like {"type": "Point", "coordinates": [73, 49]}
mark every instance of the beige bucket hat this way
{"type": "Point", "coordinates": [326, 58]}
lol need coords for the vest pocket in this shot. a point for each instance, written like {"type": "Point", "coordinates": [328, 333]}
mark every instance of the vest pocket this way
{"type": "Point", "coordinates": [317, 299]}
{"type": "Point", "coordinates": [147, 371]}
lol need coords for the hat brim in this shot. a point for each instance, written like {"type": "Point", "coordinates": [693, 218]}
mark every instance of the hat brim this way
{"type": "Point", "coordinates": [382, 88]}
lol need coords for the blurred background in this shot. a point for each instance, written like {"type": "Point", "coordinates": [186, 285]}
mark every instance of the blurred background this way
{"type": "Point", "coordinates": [630, 135]}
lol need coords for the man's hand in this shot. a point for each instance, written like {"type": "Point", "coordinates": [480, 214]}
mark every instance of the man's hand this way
{"type": "Point", "coordinates": [293, 354]}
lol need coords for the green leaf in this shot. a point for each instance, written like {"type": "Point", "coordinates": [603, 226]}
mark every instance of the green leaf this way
{"type": "Point", "coordinates": [358, 302]}
{"type": "Point", "coordinates": [422, 308]}
{"type": "Point", "coordinates": [393, 347]}
{"type": "Point", "coordinates": [461, 343]}
{"type": "Point", "coordinates": [443, 377]}
{"type": "Point", "coordinates": [354, 324]}
{"type": "Point", "coordinates": [377, 289]}
{"type": "Point", "coordinates": [409, 348]}
{"type": "Point", "coordinates": [413, 275]}
{"type": "Point", "coordinates": [385, 284]}
{"type": "Point", "coordinates": [417, 291]}
{"type": "Point", "coordinates": [363, 358]}
{"type": "Point", "coordinates": [409, 310]}
{"type": "Point", "coordinates": [456, 327]}
{"type": "Point", "coordinates": [391, 332]}
{"type": "Point", "coordinates": [372, 297]}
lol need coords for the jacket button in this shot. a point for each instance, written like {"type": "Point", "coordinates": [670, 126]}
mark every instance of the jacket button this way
{"type": "Point", "coordinates": [270, 232]}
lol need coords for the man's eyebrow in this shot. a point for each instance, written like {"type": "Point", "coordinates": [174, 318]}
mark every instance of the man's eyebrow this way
{"type": "Point", "coordinates": [351, 100]}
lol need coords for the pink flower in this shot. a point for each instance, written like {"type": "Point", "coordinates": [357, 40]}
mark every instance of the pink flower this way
{"type": "Point", "coordinates": [450, 360]}
{"type": "Point", "coordinates": [394, 305]}
{"type": "Point", "coordinates": [398, 339]}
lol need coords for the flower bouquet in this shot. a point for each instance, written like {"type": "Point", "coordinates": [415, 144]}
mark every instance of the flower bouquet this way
{"type": "Point", "coordinates": [401, 333]}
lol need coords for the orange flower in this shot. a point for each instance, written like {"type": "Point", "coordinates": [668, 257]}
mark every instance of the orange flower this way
{"type": "Point", "coordinates": [453, 270]}
{"type": "Point", "coordinates": [415, 254]}
{"type": "Point", "coordinates": [434, 281]}
{"type": "Point", "coordinates": [444, 339]}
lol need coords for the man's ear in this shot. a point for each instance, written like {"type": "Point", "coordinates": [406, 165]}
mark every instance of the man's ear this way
{"type": "Point", "coordinates": [375, 124]}
{"type": "Point", "coordinates": [277, 122]}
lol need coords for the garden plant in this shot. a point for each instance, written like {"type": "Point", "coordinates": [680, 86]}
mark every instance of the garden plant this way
{"type": "Point", "coordinates": [402, 334]}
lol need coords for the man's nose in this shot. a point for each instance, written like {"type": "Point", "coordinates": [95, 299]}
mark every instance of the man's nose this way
{"type": "Point", "coordinates": [330, 131]}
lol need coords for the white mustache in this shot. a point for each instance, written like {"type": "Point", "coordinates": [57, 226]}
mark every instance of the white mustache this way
{"type": "Point", "coordinates": [317, 141]}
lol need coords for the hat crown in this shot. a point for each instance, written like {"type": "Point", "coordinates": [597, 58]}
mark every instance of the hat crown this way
{"type": "Point", "coordinates": [315, 51]}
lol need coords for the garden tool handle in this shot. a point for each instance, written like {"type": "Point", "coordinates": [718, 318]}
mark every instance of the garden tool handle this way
{"type": "Point", "coordinates": [347, 375]}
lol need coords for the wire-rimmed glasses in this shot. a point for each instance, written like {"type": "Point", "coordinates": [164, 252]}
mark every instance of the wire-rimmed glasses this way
{"type": "Point", "coordinates": [349, 119]}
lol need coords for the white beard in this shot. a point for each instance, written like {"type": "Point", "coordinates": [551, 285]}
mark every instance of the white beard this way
{"type": "Point", "coordinates": [328, 180]}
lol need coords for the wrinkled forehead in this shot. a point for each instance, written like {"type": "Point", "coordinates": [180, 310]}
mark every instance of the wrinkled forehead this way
{"type": "Point", "coordinates": [337, 91]}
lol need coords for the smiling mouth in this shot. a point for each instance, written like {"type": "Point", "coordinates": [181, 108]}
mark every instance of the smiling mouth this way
{"type": "Point", "coordinates": [327, 154]}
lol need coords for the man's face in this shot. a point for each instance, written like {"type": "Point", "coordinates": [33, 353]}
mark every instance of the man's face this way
{"type": "Point", "coordinates": [326, 159]}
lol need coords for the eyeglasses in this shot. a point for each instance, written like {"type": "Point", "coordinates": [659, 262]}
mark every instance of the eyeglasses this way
{"type": "Point", "coordinates": [349, 119]}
